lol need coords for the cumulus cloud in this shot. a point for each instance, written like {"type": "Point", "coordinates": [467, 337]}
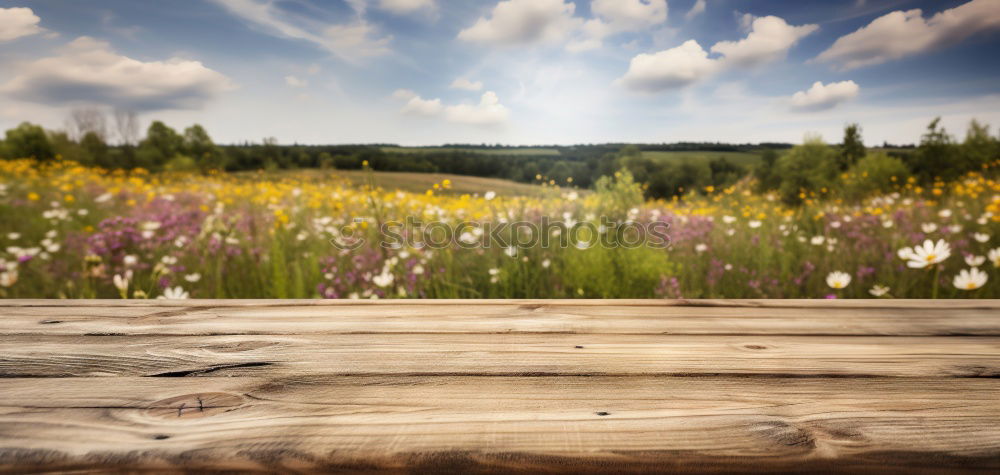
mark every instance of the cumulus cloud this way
{"type": "Point", "coordinates": [672, 68]}
{"type": "Point", "coordinates": [524, 22]}
{"type": "Point", "coordinates": [489, 111]}
{"type": "Point", "coordinates": [89, 71]}
{"type": "Point", "coordinates": [18, 22]}
{"type": "Point", "coordinates": [295, 82]}
{"type": "Point", "coordinates": [900, 34]}
{"type": "Point", "coordinates": [769, 39]}
{"type": "Point", "coordinates": [630, 15]}
{"type": "Point", "coordinates": [351, 42]}
{"type": "Point", "coordinates": [416, 105]}
{"type": "Point", "coordinates": [822, 97]}
{"type": "Point", "coordinates": [465, 84]}
{"type": "Point", "coordinates": [697, 9]}
{"type": "Point", "coordinates": [406, 6]}
{"type": "Point", "coordinates": [618, 16]}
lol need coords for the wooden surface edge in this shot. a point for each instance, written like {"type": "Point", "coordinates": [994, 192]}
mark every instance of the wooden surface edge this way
{"type": "Point", "coordinates": [748, 303]}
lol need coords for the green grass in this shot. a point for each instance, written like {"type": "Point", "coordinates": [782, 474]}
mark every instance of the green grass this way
{"type": "Point", "coordinates": [740, 158]}
{"type": "Point", "coordinates": [421, 182]}
{"type": "Point", "coordinates": [482, 151]}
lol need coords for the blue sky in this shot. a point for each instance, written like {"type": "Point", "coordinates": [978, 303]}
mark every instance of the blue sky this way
{"type": "Point", "coordinates": [514, 71]}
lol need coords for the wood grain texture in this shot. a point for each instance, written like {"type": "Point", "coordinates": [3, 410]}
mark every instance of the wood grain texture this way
{"type": "Point", "coordinates": [500, 386]}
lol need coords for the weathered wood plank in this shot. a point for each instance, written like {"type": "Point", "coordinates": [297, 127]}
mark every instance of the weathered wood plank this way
{"type": "Point", "coordinates": [739, 318]}
{"type": "Point", "coordinates": [478, 354]}
{"type": "Point", "coordinates": [463, 424]}
{"type": "Point", "coordinates": [500, 386]}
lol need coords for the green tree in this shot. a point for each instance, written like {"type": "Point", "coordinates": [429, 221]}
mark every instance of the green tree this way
{"type": "Point", "coordinates": [807, 168]}
{"type": "Point", "coordinates": [641, 167]}
{"type": "Point", "coordinates": [724, 172]}
{"type": "Point", "coordinates": [767, 173]}
{"type": "Point", "coordinates": [95, 150]}
{"type": "Point", "coordinates": [29, 141]}
{"type": "Point", "coordinates": [161, 144]}
{"type": "Point", "coordinates": [979, 147]}
{"type": "Point", "coordinates": [853, 148]}
{"type": "Point", "coordinates": [199, 146]}
{"type": "Point", "coordinates": [66, 148]}
{"type": "Point", "coordinates": [937, 156]}
{"type": "Point", "coordinates": [560, 172]}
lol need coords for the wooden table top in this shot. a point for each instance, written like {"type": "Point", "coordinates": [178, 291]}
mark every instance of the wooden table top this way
{"type": "Point", "coordinates": [500, 386]}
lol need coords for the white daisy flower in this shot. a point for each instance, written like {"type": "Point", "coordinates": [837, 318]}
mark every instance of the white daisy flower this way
{"type": "Point", "coordinates": [929, 253]}
{"type": "Point", "coordinates": [838, 280]}
{"type": "Point", "coordinates": [121, 283]}
{"type": "Point", "coordinates": [970, 279]}
{"type": "Point", "coordinates": [994, 256]}
{"type": "Point", "coordinates": [974, 261]}
{"type": "Point", "coordinates": [878, 290]}
{"type": "Point", "coordinates": [175, 293]}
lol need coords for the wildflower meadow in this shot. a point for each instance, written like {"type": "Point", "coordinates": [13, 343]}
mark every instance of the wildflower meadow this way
{"type": "Point", "coordinates": [71, 231]}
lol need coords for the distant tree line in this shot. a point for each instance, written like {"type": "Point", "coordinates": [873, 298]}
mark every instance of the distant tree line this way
{"type": "Point", "coordinates": [815, 168]}
{"type": "Point", "coordinates": [115, 141]}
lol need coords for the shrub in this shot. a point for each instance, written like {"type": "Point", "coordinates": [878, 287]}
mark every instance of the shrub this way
{"type": "Point", "coordinates": [806, 169]}
{"type": "Point", "coordinates": [876, 173]}
{"type": "Point", "coordinates": [617, 195]}
{"type": "Point", "coordinates": [180, 163]}
{"type": "Point", "coordinates": [29, 141]}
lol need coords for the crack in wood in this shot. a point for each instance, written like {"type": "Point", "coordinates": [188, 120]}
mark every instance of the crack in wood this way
{"type": "Point", "coordinates": [206, 370]}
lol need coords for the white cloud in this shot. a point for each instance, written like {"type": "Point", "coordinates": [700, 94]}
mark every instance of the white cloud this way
{"type": "Point", "coordinates": [417, 105]}
{"type": "Point", "coordinates": [18, 22]}
{"type": "Point", "coordinates": [900, 34]}
{"type": "Point", "coordinates": [462, 83]}
{"type": "Point", "coordinates": [523, 22]}
{"type": "Point", "coordinates": [770, 39]}
{"type": "Point", "coordinates": [672, 68]}
{"type": "Point", "coordinates": [630, 15]}
{"type": "Point", "coordinates": [406, 6]}
{"type": "Point", "coordinates": [351, 42]}
{"type": "Point", "coordinates": [697, 9]}
{"type": "Point", "coordinates": [295, 82]}
{"type": "Point", "coordinates": [488, 112]}
{"type": "Point", "coordinates": [822, 97]}
{"type": "Point", "coordinates": [618, 16]}
{"type": "Point", "coordinates": [89, 71]}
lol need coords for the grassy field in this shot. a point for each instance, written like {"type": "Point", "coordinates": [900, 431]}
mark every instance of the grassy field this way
{"type": "Point", "coordinates": [421, 182]}
{"type": "Point", "coordinates": [502, 151]}
{"type": "Point", "coordinates": [747, 159]}
{"type": "Point", "coordinates": [69, 231]}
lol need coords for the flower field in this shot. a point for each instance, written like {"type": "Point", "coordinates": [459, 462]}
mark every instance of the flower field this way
{"type": "Point", "coordinates": [73, 232]}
